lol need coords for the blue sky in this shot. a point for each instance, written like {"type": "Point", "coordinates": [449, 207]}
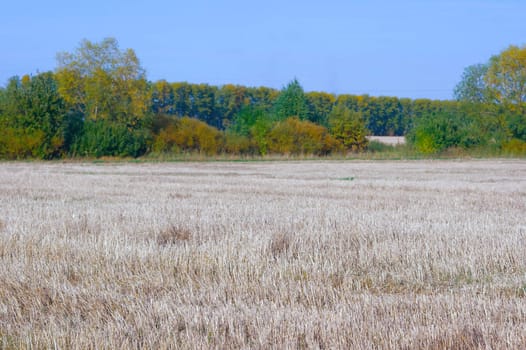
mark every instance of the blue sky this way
{"type": "Point", "coordinates": [402, 48]}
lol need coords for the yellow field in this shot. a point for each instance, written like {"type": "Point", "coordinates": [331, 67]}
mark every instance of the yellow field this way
{"type": "Point", "coordinates": [361, 255]}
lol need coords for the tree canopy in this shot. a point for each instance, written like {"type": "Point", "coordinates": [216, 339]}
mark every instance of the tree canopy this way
{"type": "Point", "coordinates": [98, 102]}
{"type": "Point", "coordinates": [501, 80]}
{"type": "Point", "coordinates": [103, 82]}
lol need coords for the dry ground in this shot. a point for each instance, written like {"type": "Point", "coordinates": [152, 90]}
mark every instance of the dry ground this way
{"type": "Point", "coordinates": [426, 254]}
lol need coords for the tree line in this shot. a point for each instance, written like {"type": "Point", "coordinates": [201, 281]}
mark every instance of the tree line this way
{"type": "Point", "coordinates": [98, 102]}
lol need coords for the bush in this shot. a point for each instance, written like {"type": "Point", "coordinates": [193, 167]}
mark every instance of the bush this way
{"type": "Point", "coordinates": [239, 144]}
{"type": "Point", "coordinates": [514, 147]}
{"type": "Point", "coordinates": [377, 146]}
{"type": "Point", "coordinates": [16, 143]}
{"type": "Point", "coordinates": [293, 136]}
{"type": "Point", "coordinates": [188, 135]}
{"type": "Point", "coordinates": [437, 132]}
{"type": "Point", "coordinates": [102, 138]}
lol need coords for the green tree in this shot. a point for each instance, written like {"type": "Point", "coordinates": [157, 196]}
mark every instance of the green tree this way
{"type": "Point", "coordinates": [436, 132]}
{"type": "Point", "coordinates": [348, 127]}
{"type": "Point", "coordinates": [182, 98]}
{"type": "Point", "coordinates": [472, 86]}
{"type": "Point", "coordinates": [262, 97]}
{"type": "Point", "coordinates": [162, 98]}
{"type": "Point", "coordinates": [34, 117]}
{"type": "Point", "coordinates": [203, 105]}
{"type": "Point", "coordinates": [291, 102]}
{"type": "Point", "coordinates": [500, 81]}
{"type": "Point", "coordinates": [230, 99]}
{"type": "Point", "coordinates": [106, 138]}
{"type": "Point", "coordinates": [103, 82]}
{"type": "Point", "coordinates": [319, 106]}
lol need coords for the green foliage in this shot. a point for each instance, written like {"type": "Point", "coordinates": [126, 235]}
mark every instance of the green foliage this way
{"type": "Point", "coordinates": [472, 87]}
{"type": "Point", "coordinates": [259, 133]}
{"type": "Point", "coordinates": [244, 121]}
{"type": "Point", "coordinates": [502, 80]}
{"type": "Point", "coordinates": [98, 103]}
{"type": "Point", "coordinates": [239, 144]}
{"type": "Point", "coordinates": [230, 99]}
{"type": "Point", "coordinates": [293, 136]}
{"type": "Point", "coordinates": [376, 146]}
{"type": "Point", "coordinates": [291, 102]}
{"type": "Point", "coordinates": [348, 127]}
{"type": "Point", "coordinates": [434, 133]}
{"type": "Point", "coordinates": [319, 105]}
{"type": "Point", "coordinates": [105, 138]}
{"type": "Point", "coordinates": [517, 125]}
{"type": "Point", "coordinates": [203, 105]}
{"type": "Point", "coordinates": [34, 112]}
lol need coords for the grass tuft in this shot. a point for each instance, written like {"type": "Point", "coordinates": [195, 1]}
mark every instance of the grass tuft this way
{"type": "Point", "coordinates": [173, 235]}
{"type": "Point", "coordinates": [279, 244]}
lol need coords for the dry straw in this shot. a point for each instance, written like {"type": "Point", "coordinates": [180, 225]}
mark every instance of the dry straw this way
{"type": "Point", "coordinates": [263, 255]}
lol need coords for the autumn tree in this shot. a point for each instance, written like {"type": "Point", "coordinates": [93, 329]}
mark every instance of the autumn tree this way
{"type": "Point", "coordinates": [162, 98]}
{"type": "Point", "coordinates": [506, 77]}
{"type": "Point", "coordinates": [348, 127]}
{"type": "Point", "coordinates": [501, 81]}
{"type": "Point", "coordinates": [229, 101]}
{"type": "Point", "coordinates": [104, 82]}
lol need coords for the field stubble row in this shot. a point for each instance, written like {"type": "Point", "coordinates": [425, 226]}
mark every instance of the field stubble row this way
{"type": "Point", "coordinates": [424, 254]}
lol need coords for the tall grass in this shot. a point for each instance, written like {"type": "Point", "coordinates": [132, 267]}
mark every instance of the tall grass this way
{"type": "Point", "coordinates": [412, 254]}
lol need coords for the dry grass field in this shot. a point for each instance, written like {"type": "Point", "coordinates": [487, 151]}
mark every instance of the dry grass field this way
{"type": "Point", "coordinates": [361, 255]}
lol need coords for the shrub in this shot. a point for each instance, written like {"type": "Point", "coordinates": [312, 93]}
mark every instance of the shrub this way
{"type": "Point", "coordinates": [16, 143]}
{"type": "Point", "coordinates": [187, 135]}
{"type": "Point", "coordinates": [293, 136]}
{"type": "Point", "coordinates": [377, 146]}
{"type": "Point", "coordinates": [434, 133]}
{"type": "Point", "coordinates": [239, 144]}
{"type": "Point", "coordinates": [515, 147]}
{"type": "Point", "coordinates": [103, 138]}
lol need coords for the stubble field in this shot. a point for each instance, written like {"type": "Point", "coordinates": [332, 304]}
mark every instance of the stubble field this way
{"type": "Point", "coordinates": [361, 255]}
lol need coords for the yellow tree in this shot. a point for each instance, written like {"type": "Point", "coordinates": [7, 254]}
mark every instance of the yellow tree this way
{"type": "Point", "coordinates": [506, 77]}
{"type": "Point", "coordinates": [103, 82]}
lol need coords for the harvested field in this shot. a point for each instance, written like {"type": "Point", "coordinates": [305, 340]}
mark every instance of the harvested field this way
{"type": "Point", "coordinates": [361, 255]}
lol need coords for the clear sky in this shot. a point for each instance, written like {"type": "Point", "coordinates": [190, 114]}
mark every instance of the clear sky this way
{"type": "Point", "coordinates": [404, 48]}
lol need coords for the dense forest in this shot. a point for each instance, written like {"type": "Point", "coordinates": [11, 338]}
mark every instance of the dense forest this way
{"type": "Point", "coordinates": [98, 102]}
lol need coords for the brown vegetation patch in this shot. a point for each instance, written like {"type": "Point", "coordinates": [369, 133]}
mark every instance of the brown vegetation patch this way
{"type": "Point", "coordinates": [463, 339]}
{"type": "Point", "coordinates": [280, 244]}
{"type": "Point", "coordinates": [173, 235]}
